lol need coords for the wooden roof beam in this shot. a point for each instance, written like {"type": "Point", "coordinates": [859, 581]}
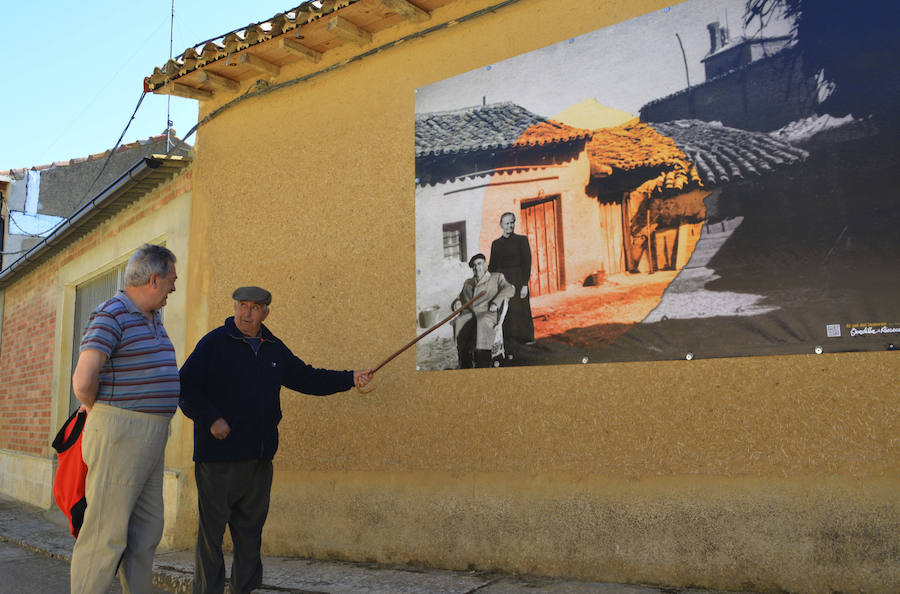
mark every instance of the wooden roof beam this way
{"type": "Point", "coordinates": [410, 12]}
{"type": "Point", "coordinates": [180, 90]}
{"type": "Point", "coordinates": [217, 81]}
{"type": "Point", "coordinates": [260, 65]}
{"type": "Point", "coordinates": [348, 31]}
{"type": "Point", "coordinates": [298, 49]}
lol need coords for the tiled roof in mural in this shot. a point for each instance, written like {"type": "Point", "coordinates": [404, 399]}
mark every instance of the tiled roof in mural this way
{"type": "Point", "coordinates": [636, 145]}
{"type": "Point", "coordinates": [722, 154]}
{"type": "Point", "coordinates": [632, 146]}
{"type": "Point", "coordinates": [495, 126]}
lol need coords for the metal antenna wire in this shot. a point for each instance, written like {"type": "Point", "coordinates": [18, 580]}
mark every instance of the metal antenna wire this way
{"type": "Point", "coordinates": [169, 97]}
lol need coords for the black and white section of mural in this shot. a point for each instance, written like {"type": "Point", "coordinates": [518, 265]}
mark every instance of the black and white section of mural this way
{"type": "Point", "coordinates": [716, 179]}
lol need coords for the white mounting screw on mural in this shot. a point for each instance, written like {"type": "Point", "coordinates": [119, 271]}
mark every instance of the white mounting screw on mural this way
{"type": "Point", "coordinates": [819, 350]}
{"type": "Point", "coordinates": [689, 356]}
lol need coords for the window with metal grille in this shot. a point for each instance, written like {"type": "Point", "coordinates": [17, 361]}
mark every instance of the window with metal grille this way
{"type": "Point", "coordinates": [455, 241]}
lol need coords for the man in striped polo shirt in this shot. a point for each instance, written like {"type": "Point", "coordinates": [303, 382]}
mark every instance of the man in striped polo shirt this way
{"type": "Point", "coordinates": [127, 380]}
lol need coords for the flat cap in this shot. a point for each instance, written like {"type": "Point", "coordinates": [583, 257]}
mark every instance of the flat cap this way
{"type": "Point", "coordinates": [254, 294]}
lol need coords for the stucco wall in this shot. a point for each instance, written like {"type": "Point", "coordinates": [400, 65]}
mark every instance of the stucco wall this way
{"type": "Point", "coordinates": [766, 472]}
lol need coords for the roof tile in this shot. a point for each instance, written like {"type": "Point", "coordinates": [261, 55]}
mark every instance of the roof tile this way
{"type": "Point", "coordinates": [496, 126]}
{"type": "Point", "coordinates": [723, 154]}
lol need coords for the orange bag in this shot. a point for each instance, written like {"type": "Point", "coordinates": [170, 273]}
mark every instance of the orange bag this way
{"type": "Point", "coordinates": [68, 484]}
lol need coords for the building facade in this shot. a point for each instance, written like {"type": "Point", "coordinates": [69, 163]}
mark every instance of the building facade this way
{"type": "Point", "coordinates": [768, 473]}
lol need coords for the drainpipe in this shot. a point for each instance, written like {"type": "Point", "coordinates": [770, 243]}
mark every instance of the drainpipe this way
{"type": "Point", "coordinates": [713, 29]}
{"type": "Point", "coordinates": [2, 315]}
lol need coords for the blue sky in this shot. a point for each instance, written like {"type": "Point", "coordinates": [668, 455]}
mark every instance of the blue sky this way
{"type": "Point", "coordinates": [73, 71]}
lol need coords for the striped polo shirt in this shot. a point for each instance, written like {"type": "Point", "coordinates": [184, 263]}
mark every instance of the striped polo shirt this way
{"type": "Point", "coordinates": [140, 372]}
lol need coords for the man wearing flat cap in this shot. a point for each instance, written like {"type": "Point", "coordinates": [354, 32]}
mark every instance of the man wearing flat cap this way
{"type": "Point", "coordinates": [230, 388]}
{"type": "Point", "coordinates": [476, 327]}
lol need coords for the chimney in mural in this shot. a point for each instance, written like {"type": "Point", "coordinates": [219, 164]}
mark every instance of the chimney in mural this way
{"type": "Point", "coordinates": [713, 29]}
{"type": "Point", "coordinates": [718, 36]}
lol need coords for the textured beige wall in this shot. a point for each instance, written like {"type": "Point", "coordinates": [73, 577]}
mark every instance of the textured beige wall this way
{"type": "Point", "coordinates": [766, 472]}
{"type": "Point", "coordinates": [27, 478]}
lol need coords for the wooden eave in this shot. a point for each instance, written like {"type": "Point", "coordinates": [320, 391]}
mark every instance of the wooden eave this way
{"type": "Point", "coordinates": [304, 33]}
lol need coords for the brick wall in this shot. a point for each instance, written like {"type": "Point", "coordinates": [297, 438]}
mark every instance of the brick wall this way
{"type": "Point", "coordinates": [26, 364]}
{"type": "Point", "coordinates": [27, 347]}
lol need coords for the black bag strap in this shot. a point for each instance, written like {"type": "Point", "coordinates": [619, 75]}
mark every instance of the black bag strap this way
{"type": "Point", "coordinates": [60, 442]}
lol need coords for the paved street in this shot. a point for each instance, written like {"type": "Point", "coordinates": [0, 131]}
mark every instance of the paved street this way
{"type": "Point", "coordinates": [25, 529]}
{"type": "Point", "coordinates": [26, 571]}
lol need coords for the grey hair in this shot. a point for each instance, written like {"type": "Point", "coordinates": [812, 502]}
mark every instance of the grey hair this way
{"type": "Point", "coordinates": [148, 260]}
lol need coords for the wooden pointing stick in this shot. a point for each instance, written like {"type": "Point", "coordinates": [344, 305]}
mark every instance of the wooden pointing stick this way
{"type": "Point", "coordinates": [426, 333]}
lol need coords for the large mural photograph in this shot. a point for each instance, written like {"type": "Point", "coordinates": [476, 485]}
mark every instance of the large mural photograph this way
{"type": "Point", "coordinates": [715, 179]}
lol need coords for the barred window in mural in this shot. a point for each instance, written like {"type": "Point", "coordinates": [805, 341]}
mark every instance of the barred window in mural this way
{"type": "Point", "coordinates": [695, 182]}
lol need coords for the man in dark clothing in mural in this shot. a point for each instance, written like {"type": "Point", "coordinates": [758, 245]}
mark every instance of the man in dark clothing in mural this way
{"type": "Point", "coordinates": [230, 387]}
{"type": "Point", "coordinates": [476, 327]}
{"type": "Point", "coordinates": [511, 256]}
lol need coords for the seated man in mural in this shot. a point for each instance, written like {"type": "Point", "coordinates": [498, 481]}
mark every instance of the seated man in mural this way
{"type": "Point", "coordinates": [476, 327]}
{"type": "Point", "coordinates": [511, 256]}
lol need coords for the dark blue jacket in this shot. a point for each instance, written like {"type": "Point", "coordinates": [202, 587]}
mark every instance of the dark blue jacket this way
{"type": "Point", "coordinates": [224, 378]}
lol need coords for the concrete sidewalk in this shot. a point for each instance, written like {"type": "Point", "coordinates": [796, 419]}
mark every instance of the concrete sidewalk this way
{"type": "Point", "coordinates": [46, 531]}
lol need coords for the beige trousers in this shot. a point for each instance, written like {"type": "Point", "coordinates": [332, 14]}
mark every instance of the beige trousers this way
{"type": "Point", "coordinates": [124, 452]}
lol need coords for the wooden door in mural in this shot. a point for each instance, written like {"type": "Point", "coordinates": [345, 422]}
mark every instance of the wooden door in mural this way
{"type": "Point", "coordinates": [611, 246]}
{"type": "Point", "coordinates": [540, 222]}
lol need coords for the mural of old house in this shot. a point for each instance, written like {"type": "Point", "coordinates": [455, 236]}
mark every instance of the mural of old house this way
{"type": "Point", "coordinates": [623, 200]}
{"type": "Point", "coordinates": [474, 164]}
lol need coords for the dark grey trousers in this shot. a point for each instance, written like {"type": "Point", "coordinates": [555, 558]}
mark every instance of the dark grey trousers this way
{"type": "Point", "coordinates": [235, 494]}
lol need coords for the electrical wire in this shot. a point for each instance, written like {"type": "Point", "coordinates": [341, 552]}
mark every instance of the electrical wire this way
{"type": "Point", "coordinates": [112, 151]}
{"type": "Point", "coordinates": [15, 252]}
{"type": "Point", "coordinates": [87, 192]}
{"type": "Point", "coordinates": [255, 92]}
{"type": "Point", "coordinates": [28, 233]}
